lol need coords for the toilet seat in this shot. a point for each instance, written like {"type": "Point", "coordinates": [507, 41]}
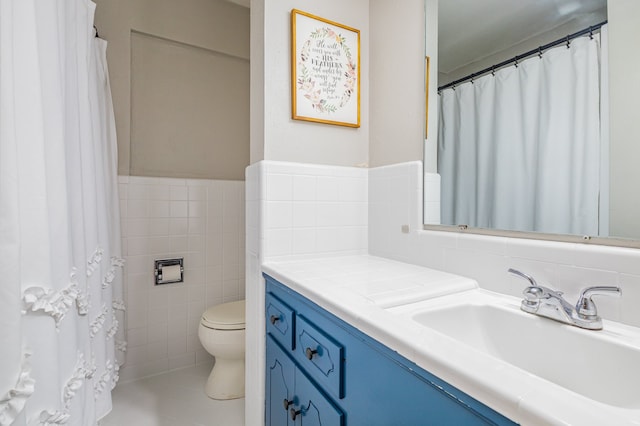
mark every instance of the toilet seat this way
{"type": "Point", "coordinates": [227, 316]}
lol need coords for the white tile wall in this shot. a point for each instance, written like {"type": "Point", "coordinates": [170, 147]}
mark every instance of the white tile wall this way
{"type": "Point", "coordinates": [311, 210]}
{"type": "Point", "coordinates": [395, 195]}
{"type": "Point", "coordinates": [564, 266]}
{"type": "Point", "coordinates": [295, 210]}
{"type": "Point", "coordinates": [255, 349]}
{"type": "Point", "coordinates": [432, 198]}
{"type": "Point", "coordinates": [199, 220]}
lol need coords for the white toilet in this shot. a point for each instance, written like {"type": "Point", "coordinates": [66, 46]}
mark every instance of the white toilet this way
{"type": "Point", "coordinates": [221, 333]}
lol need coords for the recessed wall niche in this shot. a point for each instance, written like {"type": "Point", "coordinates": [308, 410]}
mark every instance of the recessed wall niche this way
{"type": "Point", "coordinates": [189, 110]}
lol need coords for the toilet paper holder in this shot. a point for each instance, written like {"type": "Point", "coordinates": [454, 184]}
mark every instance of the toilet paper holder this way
{"type": "Point", "coordinates": [169, 271]}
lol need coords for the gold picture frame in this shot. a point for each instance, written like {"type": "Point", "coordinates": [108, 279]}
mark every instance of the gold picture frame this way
{"type": "Point", "coordinates": [426, 96]}
{"type": "Point", "coordinates": [325, 71]}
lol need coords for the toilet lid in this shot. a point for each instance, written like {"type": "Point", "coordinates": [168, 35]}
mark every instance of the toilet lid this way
{"type": "Point", "coordinates": [227, 316]}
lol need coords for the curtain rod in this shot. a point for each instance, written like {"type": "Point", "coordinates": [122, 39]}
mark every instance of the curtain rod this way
{"type": "Point", "coordinates": [537, 51]}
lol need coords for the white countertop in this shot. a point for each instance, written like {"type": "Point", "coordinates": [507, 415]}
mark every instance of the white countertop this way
{"type": "Point", "coordinates": [359, 289]}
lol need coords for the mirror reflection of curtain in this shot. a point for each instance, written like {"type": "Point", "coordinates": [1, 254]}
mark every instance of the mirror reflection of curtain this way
{"type": "Point", "coordinates": [521, 150]}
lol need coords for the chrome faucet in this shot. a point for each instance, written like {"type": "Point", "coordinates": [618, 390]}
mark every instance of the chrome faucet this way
{"type": "Point", "coordinates": [545, 302]}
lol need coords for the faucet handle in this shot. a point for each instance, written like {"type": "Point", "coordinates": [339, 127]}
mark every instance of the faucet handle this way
{"type": "Point", "coordinates": [585, 306]}
{"type": "Point", "coordinates": [535, 291]}
{"type": "Point", "coordinates": [523, 275]}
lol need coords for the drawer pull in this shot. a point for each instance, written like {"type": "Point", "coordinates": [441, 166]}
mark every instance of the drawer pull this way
{"type": "Point", "coordinates": [310, 353]}
{"type": "Point", "coordinates": [274, 319]}
{"type": "Point", "coordinates": [294, 413]}
{"type": "Point", "coordinates": [287, 403]}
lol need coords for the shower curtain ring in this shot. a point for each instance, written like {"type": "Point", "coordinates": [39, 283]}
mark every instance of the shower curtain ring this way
{"type": "Point", "coordinates": [540, 52]}
{"type": "Point", "coordinates": [568, 42]}
{"type": "Point", "coordinates": [591, 32]}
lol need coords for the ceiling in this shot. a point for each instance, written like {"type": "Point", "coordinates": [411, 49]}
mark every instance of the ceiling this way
{"type": "Point", "coordinates": [493, 26]}
{"type": "Point", "coordinates": [471, 30]}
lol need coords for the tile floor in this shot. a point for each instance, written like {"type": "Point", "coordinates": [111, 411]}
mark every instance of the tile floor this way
{"type": "Point", "coordinates": [176, 398]}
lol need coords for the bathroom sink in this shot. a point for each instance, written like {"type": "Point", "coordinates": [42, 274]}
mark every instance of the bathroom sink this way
{"type": "Point", "coordinates": [600, 365]}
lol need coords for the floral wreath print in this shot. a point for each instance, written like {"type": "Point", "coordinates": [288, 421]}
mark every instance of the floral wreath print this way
{"type": "Point", "coordinates": [307, 85]}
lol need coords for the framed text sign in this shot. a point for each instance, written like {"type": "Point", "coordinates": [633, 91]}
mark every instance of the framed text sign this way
{"type": "Point", "coordinates": [325, 71]}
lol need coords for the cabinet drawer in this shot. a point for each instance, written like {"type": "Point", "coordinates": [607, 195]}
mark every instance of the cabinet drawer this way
{"type": "Point", "coordinates": [320, 356]}
{"type": "Point", "coordinates": [280, 321]}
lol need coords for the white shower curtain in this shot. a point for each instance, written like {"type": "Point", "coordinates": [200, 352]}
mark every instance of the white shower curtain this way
{"type": "Point", "coordinates": [521, 150]}
{"type": "Point", "coordinates": [61, 306]}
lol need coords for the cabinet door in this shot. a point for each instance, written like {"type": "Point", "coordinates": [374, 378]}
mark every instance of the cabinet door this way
{"type": "Point", "coordinates": [280, 386]}
{"type": "Point", "coordinates": [313, 408]}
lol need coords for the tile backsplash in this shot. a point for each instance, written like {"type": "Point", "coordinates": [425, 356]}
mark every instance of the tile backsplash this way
{"type": "Point", "coordinates": [568, 267]}
{"type": "Point", "coordinates": [199, 220]}
{"type": "Point", "coordinates": [311, 210]}
{"type": "Point", "coordinates": [432, 198]}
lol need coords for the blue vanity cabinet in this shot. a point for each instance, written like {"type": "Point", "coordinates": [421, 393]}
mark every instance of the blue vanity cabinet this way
{"type": "Point", "coordinates": [280, 385]}
{"type": "Point", "coordinates": [292, 398]}
{"type": "Point", "coordinates": [336, 375]}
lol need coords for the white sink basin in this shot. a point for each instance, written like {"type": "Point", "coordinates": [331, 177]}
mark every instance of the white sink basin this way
{"type": "Point", "coordinates": [603, 366]}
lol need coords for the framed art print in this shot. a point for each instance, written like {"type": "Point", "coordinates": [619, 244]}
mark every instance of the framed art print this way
{"type": "Point", "coordinates": [325, 71]}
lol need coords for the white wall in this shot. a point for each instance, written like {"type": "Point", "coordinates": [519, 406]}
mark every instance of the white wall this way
{"type": "Point", "coordinates": [392, 85]}
{"type": "Point", "coordinates": [624, 92]}
{"type": "Point", "coordinates": [199, 220]}
{"type": "Point", "coordinates": [397, 88]}
{"type": "Point", "coordinates": [276, 136]}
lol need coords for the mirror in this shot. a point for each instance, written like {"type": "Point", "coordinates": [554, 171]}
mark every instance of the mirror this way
{"type": "Point", "coordinates": [497, 30]}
